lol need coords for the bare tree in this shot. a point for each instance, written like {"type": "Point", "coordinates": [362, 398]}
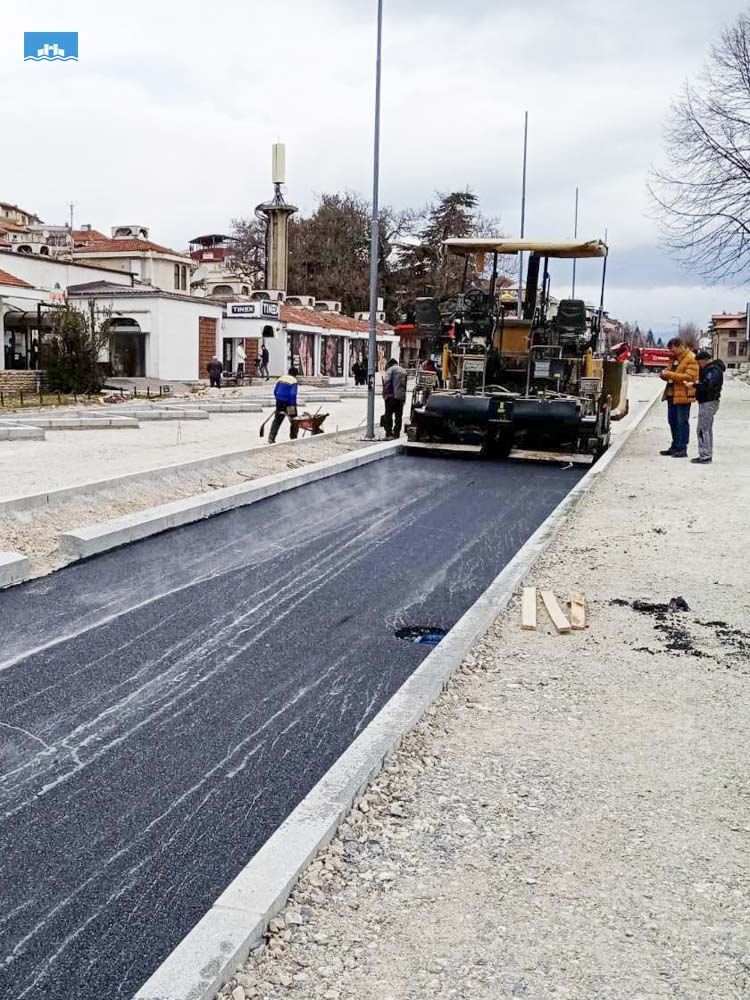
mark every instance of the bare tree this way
{"type": "Point", "coordinates": [702, 196]}
{"type": "Point", "coordinates": [689, 333]}
{"type": "Point", "coordinates": [249, 253]}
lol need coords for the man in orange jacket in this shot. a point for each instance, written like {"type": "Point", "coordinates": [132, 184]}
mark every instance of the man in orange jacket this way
{"type": "Point", "coordinates": [679, 394]}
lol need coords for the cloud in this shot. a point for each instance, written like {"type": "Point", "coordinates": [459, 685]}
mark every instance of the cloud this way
{"type": "Point", "coordinates": [168, 117]}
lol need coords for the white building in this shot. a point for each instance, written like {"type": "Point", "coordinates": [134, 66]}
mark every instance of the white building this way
{"type": "Point", "coordinates": [129, 249]}
{"type": "Point", "coordinates": [155, 334]}
{"type": "Point", "coordinates": [30, 285]}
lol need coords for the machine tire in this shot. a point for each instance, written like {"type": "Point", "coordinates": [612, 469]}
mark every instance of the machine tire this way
{"type": "Point", "coordinates": [498, 447]}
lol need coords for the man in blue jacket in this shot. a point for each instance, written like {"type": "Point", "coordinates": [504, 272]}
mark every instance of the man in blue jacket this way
{"type": "Point", "coordinates": [708, 394]}
{"type": "Point", "coordinates": [285, 394]}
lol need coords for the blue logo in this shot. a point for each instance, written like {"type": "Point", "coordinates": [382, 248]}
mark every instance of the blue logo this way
{"type": "Point", "coordinates": [50, 46]}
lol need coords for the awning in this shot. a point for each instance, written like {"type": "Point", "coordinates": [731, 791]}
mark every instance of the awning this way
{"type": "Point", "coordinates": [565, 248]}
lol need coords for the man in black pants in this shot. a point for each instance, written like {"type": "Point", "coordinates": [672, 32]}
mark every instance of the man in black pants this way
{"type": "Point", "coordinates": [394, 394]}
{"type": "Point", "coordinates": [214, 372]}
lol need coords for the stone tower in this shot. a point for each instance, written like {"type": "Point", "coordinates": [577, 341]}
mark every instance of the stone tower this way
{"type": "Point", "coordinates": [277, 214]}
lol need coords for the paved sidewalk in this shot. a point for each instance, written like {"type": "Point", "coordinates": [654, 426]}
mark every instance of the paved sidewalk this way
{"type": "Point", "coordinates": [573, 818]}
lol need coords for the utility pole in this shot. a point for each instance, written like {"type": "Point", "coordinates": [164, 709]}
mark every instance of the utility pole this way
{"type": "Point", "coordinates": [523, 211]}
{"type": "Point", "coordinates": [575, 237]}
{"type": "Point", "coordinates": [374, 245]}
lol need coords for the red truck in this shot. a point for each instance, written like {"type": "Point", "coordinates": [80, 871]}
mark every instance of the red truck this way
{"type": "Point", "coordinates": [652, 358]}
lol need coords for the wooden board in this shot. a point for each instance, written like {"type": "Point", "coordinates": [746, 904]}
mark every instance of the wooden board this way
{"type": "Point", "coordinates": [555, 612]}
{"type": "Point", "coordinates": [578, 611]}
{"type": "Point", "coordinates": [528, 608]}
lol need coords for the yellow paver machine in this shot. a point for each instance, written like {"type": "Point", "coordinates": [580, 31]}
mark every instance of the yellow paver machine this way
{"type": "Point", "coordinates": [526, 382]}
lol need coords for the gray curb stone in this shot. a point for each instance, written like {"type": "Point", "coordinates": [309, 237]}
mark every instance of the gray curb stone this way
{"type": "Point", "coordinates": [88, 541]}
{"type": "Point", "coordinates": [14, 568]}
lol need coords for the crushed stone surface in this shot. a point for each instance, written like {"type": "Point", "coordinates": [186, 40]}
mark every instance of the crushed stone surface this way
{"type": "Point", "coordinates": [572, 818]}
{"type": "Point", "coordinates": [34, 532]}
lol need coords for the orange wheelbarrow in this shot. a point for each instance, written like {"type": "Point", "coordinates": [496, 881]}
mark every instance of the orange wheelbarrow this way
{"type": "Point", "coordinates": [309, 422]}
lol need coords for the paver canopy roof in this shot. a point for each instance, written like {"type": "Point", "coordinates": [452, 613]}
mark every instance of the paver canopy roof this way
{"type": "Point", "coordinates": [545, 248]}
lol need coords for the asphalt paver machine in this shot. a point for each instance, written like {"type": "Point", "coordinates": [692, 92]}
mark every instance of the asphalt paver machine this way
{"type": "Point", "coordinates": [524, 383]}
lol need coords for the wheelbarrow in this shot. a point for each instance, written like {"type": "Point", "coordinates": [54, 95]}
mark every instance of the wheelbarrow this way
{"type": "Point", "coordinates": [309, 422]}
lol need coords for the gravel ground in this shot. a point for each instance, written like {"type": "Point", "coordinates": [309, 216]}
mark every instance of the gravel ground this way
{"type": "Point", "coordinates": [572, 819]}
{"type": "Point", "coordinates": [68, 458]}
{"type": "Point", "coordinates": [34, 532]}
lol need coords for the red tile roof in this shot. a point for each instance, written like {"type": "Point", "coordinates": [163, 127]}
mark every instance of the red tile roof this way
{"type": "Point", "coordinates": [87, 236]}
{"type": "Point", "coordinates": [11, 279]}
{"type": "Point", "coordinates": [104, 246]}
{"type": "Point", "coordinates": [301, 316]}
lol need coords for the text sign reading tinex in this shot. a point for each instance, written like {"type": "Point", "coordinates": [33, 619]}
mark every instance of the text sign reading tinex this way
{"type": "Point", "coordinates": [50, 46]}
{"type": "Point", "coordinates": [269, 310]}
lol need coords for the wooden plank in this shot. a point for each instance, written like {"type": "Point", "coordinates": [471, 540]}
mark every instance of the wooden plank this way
{"type": "Point", "coordinates": [551, 456]}
{"type": "Point", "coordinates": [578, 611]}
{"type": "Point", "coordinates": [554, 610]}
{"type": "Point", "coordinates": [528, 608]}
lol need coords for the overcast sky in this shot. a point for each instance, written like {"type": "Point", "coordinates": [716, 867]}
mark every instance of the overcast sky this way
{"type": "Point", "coordinates": [168, 116]}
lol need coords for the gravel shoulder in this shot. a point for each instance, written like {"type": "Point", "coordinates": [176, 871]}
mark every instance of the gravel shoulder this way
{"type": "Point", "coordinates": [572, 818]}
{"type": "Point", "coordinates": [34, 532]}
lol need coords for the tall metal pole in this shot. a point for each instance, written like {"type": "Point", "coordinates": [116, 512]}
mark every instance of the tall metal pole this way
{"type": "Point", "coordinates": [374, 246]}
{"type": "Point", "coordinates": [523, 211]}
{"type": "Point", "coordinates": [575, 237]}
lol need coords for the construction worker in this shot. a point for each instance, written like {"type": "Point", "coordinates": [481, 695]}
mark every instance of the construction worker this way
{"type": "Point", "coordinates": [285, 394]}
{"type": "Point", "coordinates": [394, 394]}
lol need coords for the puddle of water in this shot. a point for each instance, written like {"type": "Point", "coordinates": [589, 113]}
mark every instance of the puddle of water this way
{"type": "Point", "coordinates": [424, 635]}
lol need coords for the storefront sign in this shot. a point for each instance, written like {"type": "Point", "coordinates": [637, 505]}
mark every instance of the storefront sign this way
{"type": "Point", "coordinates": [253, 310]}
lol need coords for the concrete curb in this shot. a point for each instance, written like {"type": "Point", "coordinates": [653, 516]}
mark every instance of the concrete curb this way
{"type": "Point", "coordinates": [81, 423]}
{"type": "Point", "coordinates": [210, 953]}
{"type": "Point", "coordinates": [31, 500]}
{"type": "Point", "coordinates": [14, 568]}
{"type": "Point", "coordinates": [89, 541]}
{"type": "Point", "coordinates": [16, 432]}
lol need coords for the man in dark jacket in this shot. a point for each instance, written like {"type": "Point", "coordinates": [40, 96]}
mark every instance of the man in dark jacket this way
{"type": "Point", "coordinates": [263, 365]}
{"type": "Point", "coordinates": [285, 394]}
{"type": "Point", "coordinates": [708, 394]}
{"type": "Point", "coordinates": [394, 393]}
{"type": "Point", "coordinates": [214, 367]}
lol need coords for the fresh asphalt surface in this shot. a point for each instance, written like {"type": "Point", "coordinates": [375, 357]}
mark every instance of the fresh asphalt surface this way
{"type": "Point", "coordinates": [165, 706]}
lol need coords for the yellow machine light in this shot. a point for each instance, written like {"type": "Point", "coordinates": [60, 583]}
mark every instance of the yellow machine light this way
{"type": "Point", "coordinates": [446, 363]}
{"type": "Point", "coordinates": [587, 366]}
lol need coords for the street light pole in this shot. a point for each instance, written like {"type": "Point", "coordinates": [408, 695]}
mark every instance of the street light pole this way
{"type": "Point", "coordinates": [374, 245]}
{"type": "Point", "coordinates": [523, 210]}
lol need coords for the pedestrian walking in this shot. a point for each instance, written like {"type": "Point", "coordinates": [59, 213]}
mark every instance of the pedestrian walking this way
{"type": "Point", "coordinates": [241, 359]}
{"type": "Point", "coordinates": [215, 368]}
{"type": "Point", "coordinates": [285, 394]}
{"type": "Point", "coordinates": [394, 394]}
{"type": "Point", "coordinates": [680, 395]}
{"type": "Point", "coordinates": [263, 364]}
{"type": "Point", "coordinates": [708, 394]}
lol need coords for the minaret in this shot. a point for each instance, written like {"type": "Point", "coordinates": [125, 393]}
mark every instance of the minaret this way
{"type": "Point", "coordinates": [277, 214]}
